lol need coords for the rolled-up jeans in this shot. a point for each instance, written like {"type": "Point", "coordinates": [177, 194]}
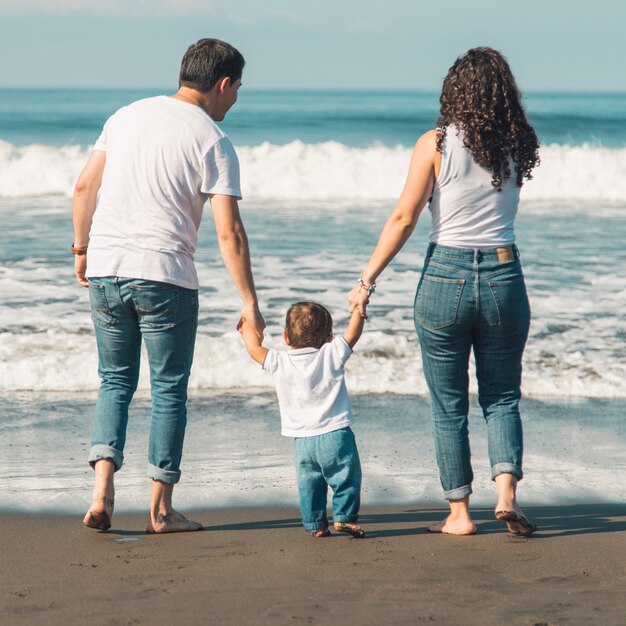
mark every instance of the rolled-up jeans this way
{"type": "Point", "coordinates": [125, 311]}
{"type": "Point", "coordinates": [473, 298]}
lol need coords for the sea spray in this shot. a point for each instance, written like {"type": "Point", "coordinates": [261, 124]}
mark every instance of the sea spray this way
{"type": "Point", "coordinates": [330, 170]}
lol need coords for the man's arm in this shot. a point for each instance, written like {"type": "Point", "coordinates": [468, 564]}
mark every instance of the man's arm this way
{"type": "Point", "coordinates": [355, 328]}
{"type": "Point", "coordinates": [85, 196]}
{"type": "Point", "coordinates": [253, 342]}
{"type": "Point", "coordinates": [233, 242]}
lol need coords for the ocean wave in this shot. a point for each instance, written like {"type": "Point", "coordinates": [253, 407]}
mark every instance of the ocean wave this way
{"type": "Point", "coordinates": [330, 170]}
{"type": "Point", "coordinates": [60, 360]}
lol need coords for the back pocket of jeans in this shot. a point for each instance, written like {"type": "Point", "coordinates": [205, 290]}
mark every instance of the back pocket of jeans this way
{"type": "Point", "coordinates": [156, 304]}
{"type": "Point", "coordinates": [511, 301]}
{"type": "Point", "coordinates": [437, 301]}
{"type": "Point", "coordinates": [101, 313]}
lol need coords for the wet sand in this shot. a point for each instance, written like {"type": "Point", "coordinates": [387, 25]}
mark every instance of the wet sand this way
{"type": "Point", "coordinates": [257, 566]}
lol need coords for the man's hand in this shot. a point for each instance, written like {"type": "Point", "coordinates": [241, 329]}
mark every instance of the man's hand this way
{"type": "Point", "coordinates": [251, 314]}
{"type": "Point", "coordinates": [80, 267]}
{"type": "Point", "coordinates": [252, 340]}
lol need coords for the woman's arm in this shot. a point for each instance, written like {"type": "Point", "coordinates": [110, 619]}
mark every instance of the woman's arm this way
{"type": "Point", "coordinates": [418, 188]}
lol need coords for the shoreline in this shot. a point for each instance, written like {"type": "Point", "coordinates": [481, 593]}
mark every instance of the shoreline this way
{"type": "Point", "coordinates": [258, 566]}
{"type": "Point", "coordinates": [235, 456]}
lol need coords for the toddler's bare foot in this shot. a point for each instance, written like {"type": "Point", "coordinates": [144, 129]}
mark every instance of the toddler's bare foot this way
{"type": "Point", "coordinates": [173, 522]}
{"type": "Point", "coordinates": [99, 514]}
{"type": "Point", "coordinates": [320, 532]}
{"type": "Point", "coordinates": [352, 529]}
{"type": "Point", "coordinates": [451, 526]}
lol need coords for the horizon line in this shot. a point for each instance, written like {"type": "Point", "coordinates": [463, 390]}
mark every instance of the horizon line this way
{"type": "Point", "coordinates": [430, 90]}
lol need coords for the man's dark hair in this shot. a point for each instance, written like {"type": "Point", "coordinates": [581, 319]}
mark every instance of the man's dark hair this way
{"type": "Point", "coordinates": [208, 60]}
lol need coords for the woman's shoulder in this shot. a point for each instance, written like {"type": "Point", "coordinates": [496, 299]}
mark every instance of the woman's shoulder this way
{"type": "Point", "coordinates": [425, 150]}
{"type": "Point", "coordinates": [428, 139]}
{"type": "Point", "coordinates": [427, 143]}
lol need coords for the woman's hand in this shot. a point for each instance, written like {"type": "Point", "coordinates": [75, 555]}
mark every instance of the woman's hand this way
{"type": "Point", "coordinates": [359, 298]}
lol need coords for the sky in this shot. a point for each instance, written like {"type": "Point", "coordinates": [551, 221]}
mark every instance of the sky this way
{"type": "Point", "coordinates": [553, 45]}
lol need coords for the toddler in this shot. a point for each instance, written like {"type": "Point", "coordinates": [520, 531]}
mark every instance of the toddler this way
{"type": "Point", "coordinates": [315, 411]}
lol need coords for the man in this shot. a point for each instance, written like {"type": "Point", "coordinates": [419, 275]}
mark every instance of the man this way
{"type": "Point", "coordinates": [155, 164]}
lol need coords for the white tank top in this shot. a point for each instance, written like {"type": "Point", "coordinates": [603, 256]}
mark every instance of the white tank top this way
{"type": "Point", "coordinates": [467, 211]}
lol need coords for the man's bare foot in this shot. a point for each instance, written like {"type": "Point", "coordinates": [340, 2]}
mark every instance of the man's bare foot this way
{"type": "Point", "coordinates": [320, 532]}
{"type": "Point", "coordinates": [450, 526]}
{"type": "Point", "coordinates": [352, 529]}
{"type": "Point", "coordinates": [99, 514]}
{"type": "Point", "coordinates": [173, 522]}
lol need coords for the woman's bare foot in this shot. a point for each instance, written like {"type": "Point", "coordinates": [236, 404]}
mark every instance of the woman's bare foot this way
{"type": "Point", "coordinates": [516, 521]}
{"type": "Point", "coordinates": [507, 509]}
{"type": "Point", "coordinates": [100, 512]}
{"type": "Point", "coordinates": [320, 532]}
{"type": "Point", "coordinates": [173, 522]}
{"type": "Point", "coordinates": [352, 529]}
{"type": "Point", "coordinates": [452, 526]}
{"type": "Point", "coordinates": [458, 522]}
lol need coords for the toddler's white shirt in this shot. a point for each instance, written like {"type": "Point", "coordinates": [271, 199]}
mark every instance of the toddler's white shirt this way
{"type": "Point", "coordinates": [311, 388]}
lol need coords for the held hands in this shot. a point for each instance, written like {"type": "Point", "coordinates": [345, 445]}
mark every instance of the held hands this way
{"type": "Point", "coordinates": [359, 298]}
{"type": "Point", "coordinates": [252, 316]}
{"type": "Point", "coordinates": [251, 337]}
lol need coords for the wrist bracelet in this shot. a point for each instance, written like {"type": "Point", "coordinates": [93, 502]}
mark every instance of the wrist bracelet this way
{"type": "Point", "coordinates": [369, 288]}
{"type": "Point", "coordinates": [79, 250]}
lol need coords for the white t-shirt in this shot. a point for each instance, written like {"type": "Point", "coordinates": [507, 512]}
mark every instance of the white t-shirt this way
{"type": "Point", "coordinates": [163, 158]}
{"type": "Point", "coordinates": [311, 388]}
{"type": "Point", "coordinates": [467, 210]}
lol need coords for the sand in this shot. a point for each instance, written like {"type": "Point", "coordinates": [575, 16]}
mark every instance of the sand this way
{"type": "Point", "coordinates": [258, 566]}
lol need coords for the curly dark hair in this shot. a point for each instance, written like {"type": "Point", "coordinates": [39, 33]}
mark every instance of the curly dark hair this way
{"type": "Point", "coordinates": [479, 96]}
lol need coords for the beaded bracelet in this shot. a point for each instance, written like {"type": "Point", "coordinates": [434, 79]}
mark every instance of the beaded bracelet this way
{"type": "Point", "coordinates": [369, 288]}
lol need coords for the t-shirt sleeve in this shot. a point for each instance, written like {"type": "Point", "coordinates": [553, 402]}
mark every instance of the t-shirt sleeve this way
{"type": "Point", "coordinates": [341, 352]}
{"type": "Point", "coordinates": [271, 361]}
{"type": "Point", "coordinates": [101, 142]}
{"type": "Point", "coordinates": [221, 170]}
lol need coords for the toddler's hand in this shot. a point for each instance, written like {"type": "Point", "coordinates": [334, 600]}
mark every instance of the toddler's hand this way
{"type": "Point", "coordinates": [358, 299]}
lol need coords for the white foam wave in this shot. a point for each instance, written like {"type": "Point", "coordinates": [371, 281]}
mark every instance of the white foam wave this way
{"type": "Point", "coordinates": [39, 170]}
{"type": "Point", "coordinates": [330, 170]}
{"type": "Point", "coordinates": [57, 360]}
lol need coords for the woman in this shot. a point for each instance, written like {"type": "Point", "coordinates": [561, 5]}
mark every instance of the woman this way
{"type": "Point", "coordinates": [471, 293]}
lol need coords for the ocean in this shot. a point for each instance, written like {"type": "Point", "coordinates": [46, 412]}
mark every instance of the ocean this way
{"type": "Point", "coordinates": [320, 173]}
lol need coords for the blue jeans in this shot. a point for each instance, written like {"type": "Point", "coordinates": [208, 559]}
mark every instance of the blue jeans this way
{"type": "Point", "coordinates": [473, 299]}
{"type": "Point", "coordinates": [125, 311]}
{"type": "Point", "coordinates": [327, 460]}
